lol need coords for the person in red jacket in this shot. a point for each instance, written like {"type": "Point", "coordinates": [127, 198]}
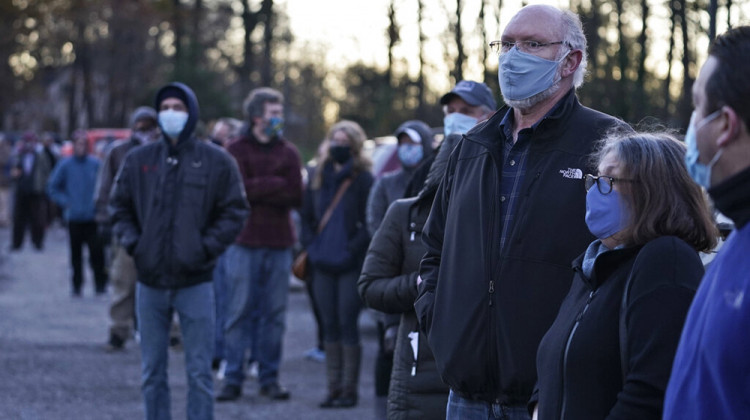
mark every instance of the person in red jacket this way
{"type": "Point", "coordinates": [258, 264]}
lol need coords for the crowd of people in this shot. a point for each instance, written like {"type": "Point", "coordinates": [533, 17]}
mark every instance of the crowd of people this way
{"type": "Point", "coordinates": [536, 261]}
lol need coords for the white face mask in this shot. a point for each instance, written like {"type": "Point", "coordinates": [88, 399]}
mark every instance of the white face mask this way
{"type": "Point", "coordinates": [172, 122]}
{"type": "Point", "coordinates": [458, 123]}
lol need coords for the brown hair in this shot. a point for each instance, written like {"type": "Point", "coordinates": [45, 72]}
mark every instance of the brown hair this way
{"type": "Point", "coordinates": [357, 136]}
{"type": "Point", "coordinates": [662, 199]}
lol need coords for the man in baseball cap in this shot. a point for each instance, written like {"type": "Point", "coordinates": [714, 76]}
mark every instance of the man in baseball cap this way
{"type": "Point", "coordinates": [466, 104]}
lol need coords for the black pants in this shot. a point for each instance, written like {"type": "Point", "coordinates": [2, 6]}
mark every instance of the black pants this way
{"type": "Point", "coordinates": [85, 233]}
{"type": "Point", "coordinates": [29, 210]}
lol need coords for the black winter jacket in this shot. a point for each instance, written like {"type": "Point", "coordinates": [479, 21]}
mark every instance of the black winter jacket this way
{"type": "Point", "coordinates": [388, 283]}
{"type": "Point", "coordinates": [485, 312]}
{"type": "Point", "coordinates": [176, 208]}
{"type": "Point", "coordinates": [580, 374]}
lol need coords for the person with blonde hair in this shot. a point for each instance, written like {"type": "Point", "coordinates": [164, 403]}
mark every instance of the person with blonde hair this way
{"type": "Point", "coordinates": [334, 233]}
{"type": "Point", "coordinates": [609, 352]}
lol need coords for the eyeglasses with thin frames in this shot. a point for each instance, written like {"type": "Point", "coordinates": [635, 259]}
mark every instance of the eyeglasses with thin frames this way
{"type": "Point", "coordinates": [529, 46]}
{"type": "Point", "coordinates": [605, 184]}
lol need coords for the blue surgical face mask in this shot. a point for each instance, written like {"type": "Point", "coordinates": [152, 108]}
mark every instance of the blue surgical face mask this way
{"type": "Point", "coordinates": [701, 173]}
{"type": "Point", "coordinates": [605, 213]}
{"type": "Point", "coordinates": [522, 75]}
{"type": "Point", "coordinates": [410, 154]}
{"type": "Point", "coordinates": [456, 122]}
{"type": "Point", "coordinates": [172, 122]}
{"type": "Point", "coordinates": [275, 127]}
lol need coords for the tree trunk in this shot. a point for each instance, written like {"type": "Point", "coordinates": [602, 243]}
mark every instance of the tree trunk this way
{"type": "Point", "coordinates": [712, 7]}
{"type": "Point", "coordinates": [421, 108]}
{"type": "Point", "coordinates": [249, 21]}
{"type": "Point", "coordinates": [670, 56]}
{"type": "Point", "coordinates": [266, 68]}
{"type": "Point", "coordinates": [622, 106]}
{"type": "Point", "coordinates": [458, 72]}
{"type": "Point", "coordinates": [640, 101]}
{"type": "Point", "coordinates": [178, 34]}
{"type": "Point", "coordinates": [685, 108]}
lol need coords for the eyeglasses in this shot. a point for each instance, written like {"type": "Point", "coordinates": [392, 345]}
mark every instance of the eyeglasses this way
{"type": "Point", "coordinates": [603, 183]}
{"type": "Point", "coordinates": [524, 46]}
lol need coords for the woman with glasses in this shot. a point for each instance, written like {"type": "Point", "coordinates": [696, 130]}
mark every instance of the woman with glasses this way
{"type": "Point", "coordinates": [609, 352]}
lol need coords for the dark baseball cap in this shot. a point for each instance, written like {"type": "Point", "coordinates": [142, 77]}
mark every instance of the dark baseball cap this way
{"type": "Point", "coordinates": [474, 93]}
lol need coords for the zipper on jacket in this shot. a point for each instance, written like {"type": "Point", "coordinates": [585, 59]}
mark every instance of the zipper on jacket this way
{"type": "Point", "coordinates": [567, 348]}
{"type": "Point", "coordinates": [492, 290]}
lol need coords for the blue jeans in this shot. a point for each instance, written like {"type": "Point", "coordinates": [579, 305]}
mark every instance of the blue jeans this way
{"type": "Point", "coordinates": [220, 294]}
{"type": "Point", "coordinates": [257, 289]}
{"type": "Point", "coordinates": [466, 409]}
{"type": "Point", "coordinates": [340, 305]}
{"type": "Point", "coordinates": [195, 307]}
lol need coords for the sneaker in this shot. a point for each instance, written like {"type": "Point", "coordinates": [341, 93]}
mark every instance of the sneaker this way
{"type": "Point", "coordinates": [252, 370]}
{"type": "Point", "coordinates": [229, 393]}
{"type": "Point", "coordinates": [274, 391]}
{"type": "Point", "coordinates": [221, 373]}
{"type": "Point", "coordinates": [114, 344]}
{"type": "Point", "coordinates": [316, 355]}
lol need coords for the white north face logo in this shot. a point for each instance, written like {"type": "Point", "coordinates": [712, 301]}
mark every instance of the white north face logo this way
{"type": "Point", "coordinates": [573, 173]}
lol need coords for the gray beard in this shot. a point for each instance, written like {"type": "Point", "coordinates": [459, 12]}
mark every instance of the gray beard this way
{"type": "Point", "coordinates": [528, 103]}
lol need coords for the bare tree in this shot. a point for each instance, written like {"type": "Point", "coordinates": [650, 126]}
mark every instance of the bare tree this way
{"type": "Point", "coordinates": [458, 70]}
{"type": "Point", "coordinates": [670, 57]}
{"type": "Point", "coordinates": [420, 77]}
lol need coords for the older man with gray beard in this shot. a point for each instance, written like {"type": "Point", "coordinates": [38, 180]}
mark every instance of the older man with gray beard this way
{"type": "Point", "coordinates": [508, 220]}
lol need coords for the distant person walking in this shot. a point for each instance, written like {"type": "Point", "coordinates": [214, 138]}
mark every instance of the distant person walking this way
{"type": "Point", "coordinates": [30, 170]}
{"type": "Point", "coordinates": [71, 186]}
{"type": "Point", "coordinates": [176, 205]}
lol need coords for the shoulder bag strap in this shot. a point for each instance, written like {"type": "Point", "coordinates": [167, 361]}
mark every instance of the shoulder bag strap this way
{"type": "Point", "coordinates": [329, 211]}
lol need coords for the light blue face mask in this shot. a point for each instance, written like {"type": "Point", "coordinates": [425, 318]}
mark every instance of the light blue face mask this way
{"type": "Point", "coordinates": [522, 75]}
{"type": "Point", "coordinates": [700, 172]}
{"type": "Point", "coordinates": [604, 213]}
{"type": "Point", "coordinates": [410, 154]}
{"type": "Point", "coordinates": [456, 122]}
{"type": "Point", "coordinates": [172, 122]}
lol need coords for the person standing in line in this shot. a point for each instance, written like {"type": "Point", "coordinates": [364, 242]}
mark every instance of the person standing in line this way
{"type": "Point", "coordinates": [224, 131]}
{"type": "Point", "coordinates": [122, 273]}
{"type": "Point", "coordinates": [711, 368]}
{"type": "Point", "coordinates": [336, 253]}
{"type": "Point", "coordinates": [415, 142]}
{"type": "Point", "coordinates": [30, 171]}
{"type": "Point", "coordinates": [71, 186]}
{"type": "Point", "coordinates": [258, 264]}
{"type": "Point", "coordinates": [508, 218]}
{"type": "Point", "coordinates": [609, 352]}
{"type": "Point", "coordinates": [388, 283]}
{"type": "Point", "coordinates": [465, 105]}
{"type": "Point", "coordinates": [176, 204]}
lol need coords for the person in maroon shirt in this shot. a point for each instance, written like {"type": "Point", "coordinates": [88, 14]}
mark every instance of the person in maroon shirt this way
{"type": "Point", "coordinates": [258, 264]}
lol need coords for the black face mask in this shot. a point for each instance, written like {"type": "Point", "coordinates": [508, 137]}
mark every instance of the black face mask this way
{"type": "Point", "coordinates": [340, 154]}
